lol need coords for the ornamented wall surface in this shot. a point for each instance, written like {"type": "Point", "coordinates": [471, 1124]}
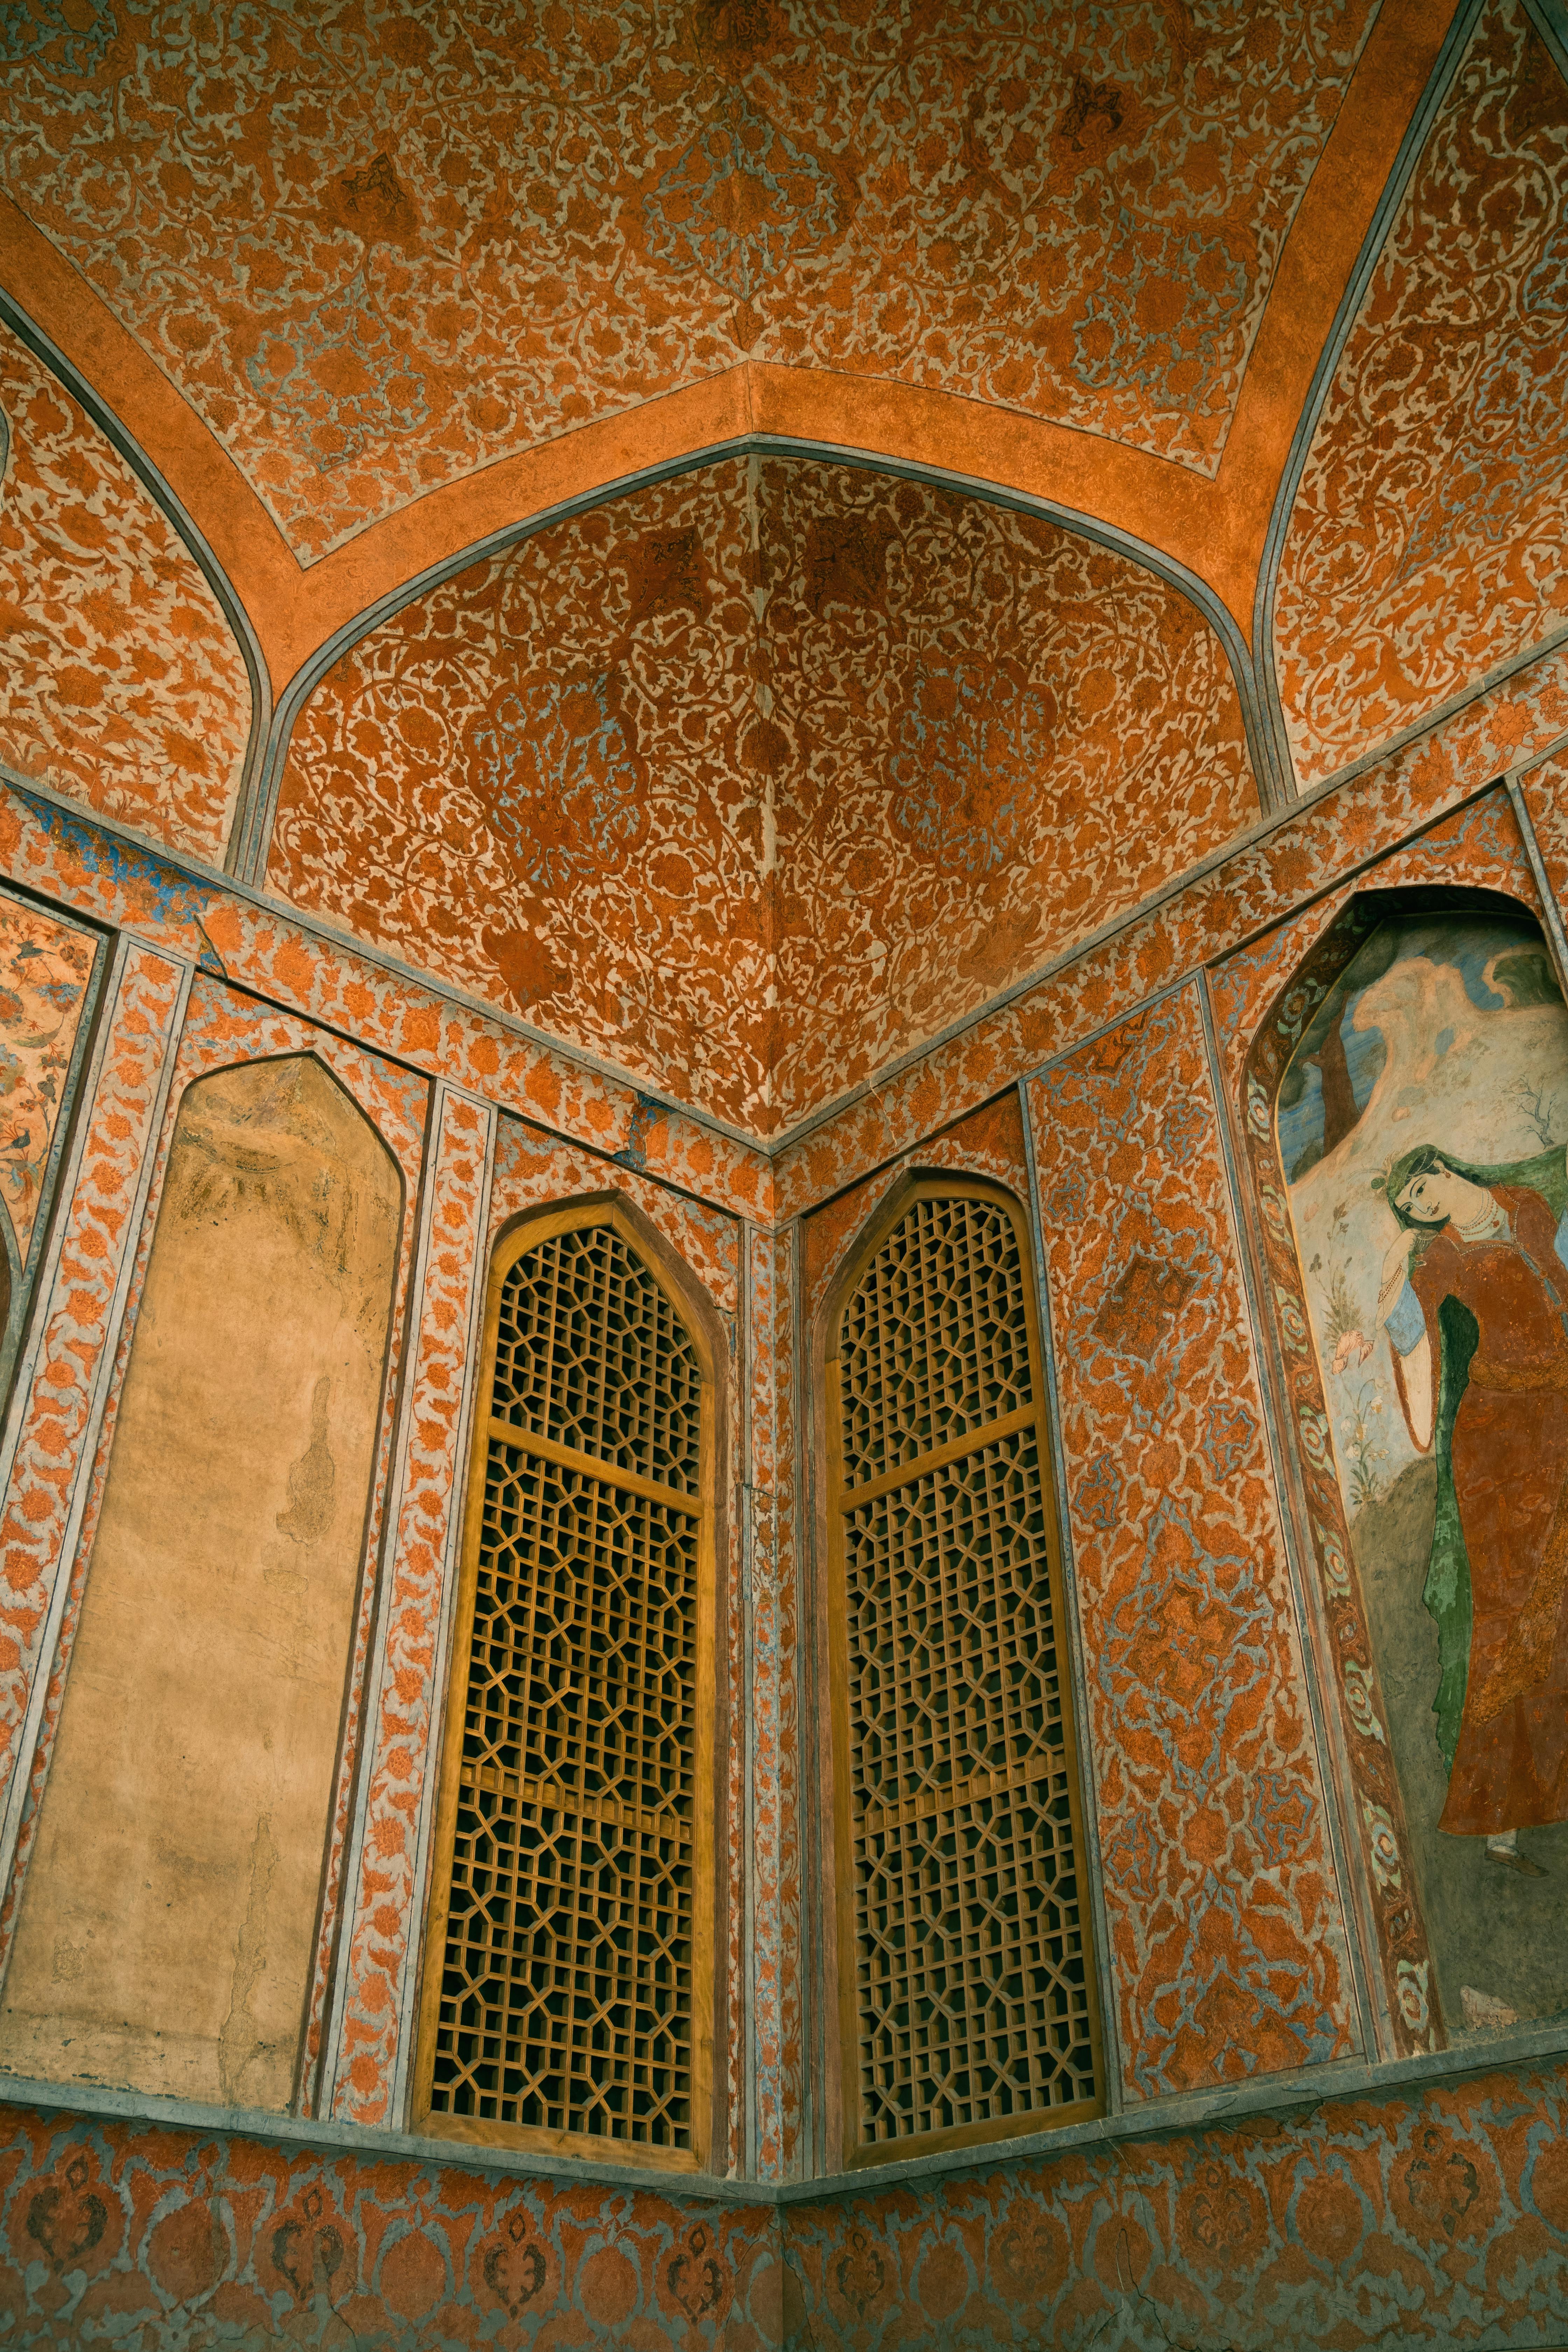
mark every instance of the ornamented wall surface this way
{"type": "Point", "coordinates": [1426, 543]}
{"type": "Point", "coordinates": [431, 246]}
{"type": "Point", "coordinates": [1425, 2217]}
{"type": "Point", "coordinates": [1221, 1888]}
{"type": "Point", "coordinates": [735, 846]}
{"type": "Point", "coordinates": [124, 686]}
{"type": "Point", "coordinates": [752, 780]}
{"type": "Point", "coordinates": [1241, 1921]}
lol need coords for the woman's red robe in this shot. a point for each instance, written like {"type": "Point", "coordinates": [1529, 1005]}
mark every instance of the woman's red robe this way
{"type": "Point", "coordinates": [1511, 1481]}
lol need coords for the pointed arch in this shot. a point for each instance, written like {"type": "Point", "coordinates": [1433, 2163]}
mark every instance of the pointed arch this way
{"type": "Point", "coordinates": [570, 1950]}
{"type": "Point", "coordinates": [967, 1997]}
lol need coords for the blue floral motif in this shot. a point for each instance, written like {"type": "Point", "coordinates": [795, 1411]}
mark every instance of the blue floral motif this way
{"type": "Point", "coordinates": [741, 202]}
{"type": "Point", "coordinates": [1184, 1123]}
{"type": "Point", "coordinates": [970, 742]}
{"type": "Point", "coordinates": [1284, 1817]}
{"type": "Point", "coordinates": [561, 786]}
{"type": "Point", "coordinates": [342, 379]}
{"type": "Point", "coordinates": [1069, 1199]}
{"type": "Point", "coordinates": [1099, 1495]}
{"type": "Point", "coordinates": [1132, 1858]}
{"type": "Point", "coordinates": [1225, 1971]}
{"type": "Point", "coordinates": [37, 25]}
{"type": "Point", "coordinates": [1227, 1440]}
{"type": "Point", "coordinates": [647, 1112]}
{"type": "Point", "coordinates": [1184, 1646]}
{"type": "Point", "coordinates": [166, 892]}
{"type": "Point", "coordinates": [1545, 291]}
{"type": "Point", "coordinates": [1115, 347]}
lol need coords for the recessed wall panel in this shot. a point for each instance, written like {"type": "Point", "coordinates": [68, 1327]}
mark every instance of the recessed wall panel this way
{"type": "Point", "coordinates": [165, 1935]}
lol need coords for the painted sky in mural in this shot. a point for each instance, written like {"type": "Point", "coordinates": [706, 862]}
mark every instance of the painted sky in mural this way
{"type": "Point", "coordinates": [1446, 1368]}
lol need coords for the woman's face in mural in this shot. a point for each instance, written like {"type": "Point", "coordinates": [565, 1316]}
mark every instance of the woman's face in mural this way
{"type": "Point", "coordinates": [1438, 1194]}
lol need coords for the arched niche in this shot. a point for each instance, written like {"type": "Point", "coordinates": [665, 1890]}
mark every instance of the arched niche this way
{"type": "Point", "coordinates": [169, 1915]}
{"type": "Point", "coordinates": [1433, 1022]}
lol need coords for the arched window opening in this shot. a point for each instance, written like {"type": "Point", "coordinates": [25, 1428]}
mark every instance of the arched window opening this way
{"type": "Point", "coordinates": [569, 1957]}
{"type": "Point", "coordinates": [969, 2007]}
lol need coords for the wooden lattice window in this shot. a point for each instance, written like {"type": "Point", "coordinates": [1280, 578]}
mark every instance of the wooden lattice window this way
{"type": "Point", "coordinates": [568, 1966]}
{"type": "Point", "coordinates": [969, 2006]}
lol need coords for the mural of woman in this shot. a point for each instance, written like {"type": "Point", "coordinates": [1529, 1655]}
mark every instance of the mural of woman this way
{"type": "Point", "coordinates": [1475, 1302]}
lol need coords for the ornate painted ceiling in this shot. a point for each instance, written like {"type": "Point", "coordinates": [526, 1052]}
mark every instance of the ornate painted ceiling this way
{"type": "Point", "coordinates": [765, 774]}
{"type": "Point", "coordinates": [495, 369]}
{"type": "Point", "coordinates": [378, 247]}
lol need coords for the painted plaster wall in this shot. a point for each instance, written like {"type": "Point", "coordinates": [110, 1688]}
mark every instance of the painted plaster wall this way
{"type": "Point", "coordinates": [1427, 540]}
{"type": "Point", "coordinates": [123, 685]}
{"type": "Point", "coordinates": [1136, 1055]}
{"type": "Point", "coordinates": [165, 1933]}
{"type": "Point", "coordinates": [1045, 216]}
{"type": "Point", "coordinates": [753, 779]}
{"type": "Point", "coordinates": [1422, 2217]}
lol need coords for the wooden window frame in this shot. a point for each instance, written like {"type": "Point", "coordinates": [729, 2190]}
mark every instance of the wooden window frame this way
{"type": "Point", "coordinates": [515, 1241]}
{"type": "Point", "coordinates": [841, 1501]}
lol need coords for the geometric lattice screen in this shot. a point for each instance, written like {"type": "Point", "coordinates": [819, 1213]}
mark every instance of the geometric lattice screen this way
{"type": "Point", "coordinates": [566, 1962]}
{"type": "Point", "coordinates": [973, 2005]}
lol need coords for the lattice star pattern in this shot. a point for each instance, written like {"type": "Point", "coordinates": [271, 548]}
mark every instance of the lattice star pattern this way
{"type": "Point", "coordinates": [935, 1340]}
{"type": "Point", "coordinates": [590, 1353]}
{"type": "Point", "coordinates": [568, 1969]}
{"type": "Point", "coordinates": [970, 1959]}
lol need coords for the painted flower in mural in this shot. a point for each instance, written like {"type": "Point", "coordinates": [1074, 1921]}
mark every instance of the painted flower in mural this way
{"type": "Point", "coordinates": [1332, 1554]}
{"type": "Point", "coordinates": [1411, 1979]}
{"type": "Point", "coordinates": [968, 746]}
{"type": "Point", "coordinates": [1360, 1704]}
{"type": "Point", "coordinates": [561, 783]}
{"type": "Point", "coordinates": [1383, 1845]}
{"type": "Point", "coordinates": [1292, 1322]}
{"type": "Point", "coordinates": [1315, 1428]}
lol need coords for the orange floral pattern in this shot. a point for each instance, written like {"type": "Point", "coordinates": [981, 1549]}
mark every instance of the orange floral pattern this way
{"type": "Point", "coordinates": [46, 1473]}
{"type": "Point", "coordinates": [44, 969]}
{"type": "Point", "coordinates": [533, 1167]}
{"type": "Point", "coordinates": [366, 2037]}
{"type": "Point", "coordinates": [988, 736]}
{"type": "Point", "coordinates": [757, 779]}
{"type": "Point", "coordinates": [1428, 543]}
{"type": "Point", "coordinates": [1245, 894]}
{"type": "Point", "coordinates": [329, 983]}
{"type": "Point", "coordinates": [1429, 2216]}
{"type": "Point", "coordinates": [430, 241]}
{"type": "Point", "coordinates": [1228, 1942]}
{"type": "Point", "coordinates": [124, 686]}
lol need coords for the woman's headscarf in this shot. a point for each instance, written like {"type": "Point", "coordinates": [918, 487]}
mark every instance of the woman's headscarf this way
{"type": "Point", "coordinates": [1545, 1173]}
